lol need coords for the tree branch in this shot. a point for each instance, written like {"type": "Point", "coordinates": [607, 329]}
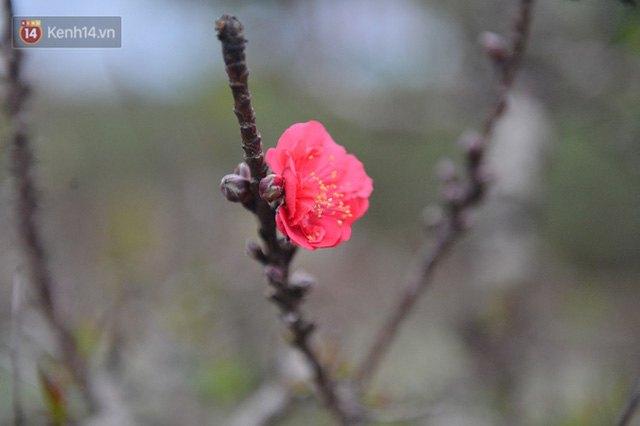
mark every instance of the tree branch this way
{"type": "Point", "coordinates": [26, 206]}
{"type": "Point", "coordinates": [14, 346]}
{"type": "Point", "coordinates": [277, 253]}
{"type": "Point", "coordinates": [459, 197]}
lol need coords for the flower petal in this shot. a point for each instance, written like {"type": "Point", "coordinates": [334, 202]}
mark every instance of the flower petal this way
{"type": "Point", "coordinates": [326, 189]}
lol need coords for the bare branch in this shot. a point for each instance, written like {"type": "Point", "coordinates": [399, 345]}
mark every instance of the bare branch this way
{"type": "Point", "coordinates": [459, 197]}
{"type": "Point", "coordinates": [510, 67]}
{"type": "Point", "coordinates": [233, 44]}
{"type": "Point", "coordinates": [16, 334]}
{"type": "Point", "coordinates": [26, 206]}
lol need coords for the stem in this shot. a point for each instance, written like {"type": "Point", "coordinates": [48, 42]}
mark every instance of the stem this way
{"type": "Point", "coordinates": [26, 207]}
{"type": "Point", "coordinates": [278, 252]}
{"type": "Point", "coordinates": [465, 195]}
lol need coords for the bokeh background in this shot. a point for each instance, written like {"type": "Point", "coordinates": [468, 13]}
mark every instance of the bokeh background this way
{"type": "Point", "coordinates": [533, 320]}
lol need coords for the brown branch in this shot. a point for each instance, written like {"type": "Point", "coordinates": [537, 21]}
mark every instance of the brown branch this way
{"type": "Point", "coordinates": [510, 66]}
{"type": "Point", "coordinates": [459, 195]}
{"type": "Point", "coordinates": [277, 253]}
{"type": "Point", "coordinates": [26, 207]}
{"type": "Point", "coordinates": [233, 44]}
{"type": "Point", "coordinates": [415, 285]}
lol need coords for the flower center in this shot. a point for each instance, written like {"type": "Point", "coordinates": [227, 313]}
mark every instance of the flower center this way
{"type": "Point", "coordinates": [329, 201]}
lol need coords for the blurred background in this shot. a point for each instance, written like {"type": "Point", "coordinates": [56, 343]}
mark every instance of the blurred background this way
{"type": "Point", "coordinates": [533, 320]}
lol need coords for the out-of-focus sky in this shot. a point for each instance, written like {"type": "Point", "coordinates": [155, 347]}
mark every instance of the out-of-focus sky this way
{"type": "Point", "coordinates": [169, 47]}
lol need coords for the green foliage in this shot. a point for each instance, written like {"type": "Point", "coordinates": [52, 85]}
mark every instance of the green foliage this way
{"type": "Point", "coordinates": [628, 31]}
{"type": "Point", "coordinates": [225, 380]}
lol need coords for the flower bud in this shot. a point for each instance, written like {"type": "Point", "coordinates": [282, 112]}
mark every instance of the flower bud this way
{"type": "Point", "coordinates": [452, 193]}
{"type": "Point", "coordinates": [473, 145]}
{"type": "Point", "coordinates": [272, 188]}
{"type": "Point", "coordinates": [290, 317]}
{"type": "Point", "coordinates": [243, 170]}
{"type": "Point", "coordinates": [432, 216]}
{"type": "Point", "coordinates": [235, 188]}
{"type": "Point", "coordinates": [274, 274]}
{"type": "Point", "coordinates": [302, 282]}
{"type": "Point", "coordinates": [446, 170]}
{"type": "Point", "coordinates": [254, 250]}
{"type": "Point", "coordinates": [495, 46]}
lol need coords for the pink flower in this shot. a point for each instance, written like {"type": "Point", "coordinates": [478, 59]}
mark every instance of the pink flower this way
{"type": "Point", "coordinates": [325, 189]}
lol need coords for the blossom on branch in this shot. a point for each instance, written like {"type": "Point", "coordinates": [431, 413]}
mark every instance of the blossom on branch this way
{"type": "Point", "coordinates": [325, 189]}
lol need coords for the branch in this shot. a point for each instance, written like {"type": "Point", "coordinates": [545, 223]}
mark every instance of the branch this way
{"type": "Point", "coordinates": [459, 195]}
{"type": "Point", "coordinates": [508, 61]}
{"type": "Point", "coordinates": [14, 346]}
{"type": "Point", "coordinates": [26, 207]}
{"type": "Point", "coordinates": [277, 253]}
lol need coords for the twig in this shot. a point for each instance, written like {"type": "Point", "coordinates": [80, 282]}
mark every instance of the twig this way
{"type": "Point", "coordinates": [459, 196]}
{"type": "Point", "coordinates": [631, 406]}
{"type": "Point", "coordinates": [16, 322]}
{"type": "Point", "coordinates": [26, 207]}
{"type": "Point", "coordinates": [510, 66]}
{"type": "Point", "coordinates": [277, 252]}
{"type": "Point", "coordinates": [416, 284]}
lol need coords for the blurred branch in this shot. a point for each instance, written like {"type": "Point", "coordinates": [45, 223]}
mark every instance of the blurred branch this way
{"type": "Point", "coordinates": [631, 406]}
{"type": "Point", "coordinates": [277, 253]}
{"type": "Point", "coordinates": [460, 195]}
{"type": "Point", "coordinates": [16, 322]}
{"type": "Point", "coordinates": [508, 62]}
{"type": "Point", "coordinates": [26, 206]}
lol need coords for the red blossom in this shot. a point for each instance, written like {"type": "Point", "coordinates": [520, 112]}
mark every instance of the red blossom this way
{"type": "Point", "coordinates": [325, 189]}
